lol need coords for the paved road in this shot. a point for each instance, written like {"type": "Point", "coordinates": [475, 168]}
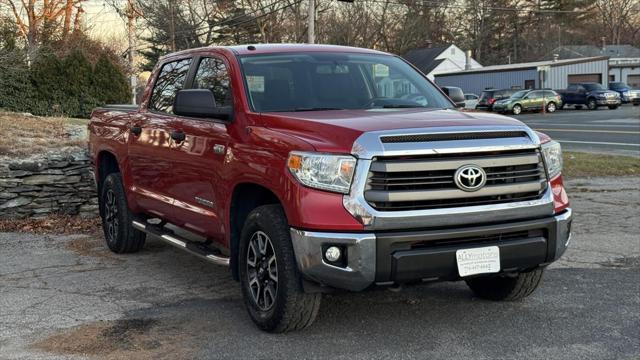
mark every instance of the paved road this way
{"type": "Point", "coordinates": [607, 131]}
{"type": "Point", "coordinates": [68, 297]}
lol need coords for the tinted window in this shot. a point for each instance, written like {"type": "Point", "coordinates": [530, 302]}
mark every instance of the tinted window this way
{"type": "Point", "coordinates": [212, 74]}
{"type": "Point", "coordinates": [170, 80]}
{"type": "Point", "coordinates": [314, 81]}
{"type": "Point", "coordinates": [486, 95]}
{"type": "Point", "coordinates": [503, 94]}
{"type": "Point", "coordinates": [572, 87]}
{"type": "Point", "coordinates": [520, 94]}
{"type": "Point", "coordinates": [535, 95]}
{"type": "Point", "coordinates": [550, 94]}
{"type": "Point", "coordinates": [617, 85]}
{"type": "Point", "coordinates": [591, 87]}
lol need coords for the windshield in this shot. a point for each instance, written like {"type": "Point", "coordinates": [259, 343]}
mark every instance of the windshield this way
{"type": "Point", "coordinates": [591, 87]}
{"type": "Point", "coordinates": [618, 85]}
{"type": "Point", "coordinates": [519, 94]}
{"type": "Point", "coordinates": [335, 81]}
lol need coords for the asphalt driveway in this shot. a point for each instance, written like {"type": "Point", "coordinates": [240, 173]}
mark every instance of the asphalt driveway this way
{"type": "Point", "coordinates": [68, 297]}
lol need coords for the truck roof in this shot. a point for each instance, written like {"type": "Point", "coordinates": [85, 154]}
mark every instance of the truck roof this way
{"type": "Point", "coordinates": [250, 49]}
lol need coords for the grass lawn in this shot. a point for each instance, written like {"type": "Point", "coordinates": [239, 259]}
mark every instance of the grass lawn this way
{"type": "Point", "coordinates": [23, 135]}
{"type": "Point", "coordinates": [577, 164]}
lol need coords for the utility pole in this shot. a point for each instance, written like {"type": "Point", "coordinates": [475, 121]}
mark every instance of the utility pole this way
{"type": "Point", "coordinates": [132, 14]}
{"type": "Point", "coordinates": [311, 19]}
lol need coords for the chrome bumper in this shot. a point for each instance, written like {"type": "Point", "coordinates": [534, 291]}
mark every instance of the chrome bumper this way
{"type": "Point", "coordinates": [362, 251]}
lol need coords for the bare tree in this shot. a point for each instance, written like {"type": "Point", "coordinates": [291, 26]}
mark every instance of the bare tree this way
{"type": "Point", "coordinates": [618, 17]}
{"type": "Point", "coordinates": [38, 20]}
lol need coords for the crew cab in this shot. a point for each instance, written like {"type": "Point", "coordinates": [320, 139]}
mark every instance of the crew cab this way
{"type": "Point", "coordinates": [593, 95]}
{"type": "Point", "coordinates": [307, 169]}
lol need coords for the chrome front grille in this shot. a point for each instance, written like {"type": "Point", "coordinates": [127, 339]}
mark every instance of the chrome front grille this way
{"type": "Point", "coordinates": [427, 182]}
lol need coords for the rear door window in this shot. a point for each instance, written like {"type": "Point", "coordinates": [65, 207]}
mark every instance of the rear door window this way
{"type": "Point", "coordinates": [170, 80]}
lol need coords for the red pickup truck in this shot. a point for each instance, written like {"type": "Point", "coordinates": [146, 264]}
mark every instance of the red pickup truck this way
{"type": "Point", "coordinates": [306, 169]}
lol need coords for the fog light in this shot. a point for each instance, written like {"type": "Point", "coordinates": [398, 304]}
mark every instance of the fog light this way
{"type": "Point", "coordinates": [333, 253]}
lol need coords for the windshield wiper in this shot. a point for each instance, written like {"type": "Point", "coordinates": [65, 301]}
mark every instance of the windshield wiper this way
{"type": "Point", "coordinates": [317, 109]}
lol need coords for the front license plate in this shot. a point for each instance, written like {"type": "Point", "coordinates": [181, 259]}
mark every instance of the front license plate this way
{"type": "Point", "coordinates": [482, 260]}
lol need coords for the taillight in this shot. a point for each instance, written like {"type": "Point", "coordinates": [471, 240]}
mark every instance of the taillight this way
{"type": "Point", "coordinates": [491, 101]}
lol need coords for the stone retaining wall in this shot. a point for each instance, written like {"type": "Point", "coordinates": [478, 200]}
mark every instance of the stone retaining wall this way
{"type": "Point", "coordinates": [47, 184]}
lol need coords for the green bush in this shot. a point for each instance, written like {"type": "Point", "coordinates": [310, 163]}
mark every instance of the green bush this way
{"type": "Point", "coordinates": [16, 90]}
{"type": "Point", "coordinates": [53, 86]}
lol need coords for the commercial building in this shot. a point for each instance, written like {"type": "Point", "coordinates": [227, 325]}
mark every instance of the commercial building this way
{"type": "Point", "coordinates": [553, 74]}
{"type": "Point", "coordinates": [624, 60]}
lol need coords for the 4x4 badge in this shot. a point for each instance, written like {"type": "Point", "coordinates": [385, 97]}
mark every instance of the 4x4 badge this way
{"type": "Point", "coordinates": [470, 178]}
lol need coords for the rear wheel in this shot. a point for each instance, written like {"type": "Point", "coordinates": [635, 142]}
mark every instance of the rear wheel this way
{"type": "Point", "coordinates": [517, 109]}
{"type": "Point", "coordinates": [271, 283]}
{"type": "Point", "coordinates": [506, 287]}
{"type": "Point", "coordinates": [592, 105]}
{"type": "Point", "coordinates": [551, 107]}
{"type": "Point", "coordinates": [120, 235]}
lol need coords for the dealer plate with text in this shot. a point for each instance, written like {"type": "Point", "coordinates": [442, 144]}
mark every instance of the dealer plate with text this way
{"type": "Point", "coordinates": [484, 260]}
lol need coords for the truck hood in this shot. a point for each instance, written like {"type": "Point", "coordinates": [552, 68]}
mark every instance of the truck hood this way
{"type": "Point", "coordinates": [336, 130]}
{"type": "Point", "coordinates": [602, 92]}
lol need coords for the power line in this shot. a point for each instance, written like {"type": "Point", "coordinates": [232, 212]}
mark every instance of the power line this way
{"type": "Point", "coordinates": [436, 4]}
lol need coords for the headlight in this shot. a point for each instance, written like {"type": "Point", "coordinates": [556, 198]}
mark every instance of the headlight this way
{"type": "Point", "coordinates": [626, 93]}
{"type": "Point", "coordinates": [552, 158]}
{"type": "Point", "coordinates": [322, 171]}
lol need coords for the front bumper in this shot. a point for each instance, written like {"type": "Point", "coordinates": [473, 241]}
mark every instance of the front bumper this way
{"type": "Point", "coordinates": [404, 256]}
{"type": "Point", "coordinates": [616, 101]}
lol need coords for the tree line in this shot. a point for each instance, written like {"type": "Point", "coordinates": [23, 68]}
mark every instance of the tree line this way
{"type": "Point", "coordinates": [48, 65]}
{"type": "Point", "coordinates": [497, 31]}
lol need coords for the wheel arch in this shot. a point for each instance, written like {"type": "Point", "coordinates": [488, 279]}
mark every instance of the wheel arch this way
{"type": "Point", "coordinates": [245, 198]}
{"type": "Point", "coordinates": [106, 163]}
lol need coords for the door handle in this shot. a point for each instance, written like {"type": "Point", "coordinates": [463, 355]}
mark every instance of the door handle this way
{"type": "Point", "coordinates": [178, 136]}
{"type": "Point", "coordinates": [135, 130]}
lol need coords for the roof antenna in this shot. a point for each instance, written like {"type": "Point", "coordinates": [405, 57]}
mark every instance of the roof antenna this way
{"type": "Point", "coordinates": [251, 48]}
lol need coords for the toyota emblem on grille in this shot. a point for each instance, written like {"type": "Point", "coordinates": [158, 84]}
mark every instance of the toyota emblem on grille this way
{"type": "Point", "coordinates": [470, 177]}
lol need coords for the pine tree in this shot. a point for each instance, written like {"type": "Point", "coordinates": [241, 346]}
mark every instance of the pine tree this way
{"type": "Point", "coordinates": [110, 85]}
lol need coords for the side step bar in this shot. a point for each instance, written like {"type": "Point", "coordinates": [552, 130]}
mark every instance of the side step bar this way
{"type": "Point", "coordinates": [181, 243]}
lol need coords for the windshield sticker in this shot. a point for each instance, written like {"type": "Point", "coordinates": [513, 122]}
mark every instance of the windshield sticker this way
{"type": "Point", "coordinates": [380, 70]}
{"type": "Point", "coordinates": [256, 83]}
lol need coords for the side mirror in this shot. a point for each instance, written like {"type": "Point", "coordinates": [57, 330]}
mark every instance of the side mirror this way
{"type": "Point", "coordinates": [199, 103]}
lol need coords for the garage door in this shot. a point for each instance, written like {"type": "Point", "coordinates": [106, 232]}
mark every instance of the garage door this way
{"type": "Point", "coordinates": [583, 78]}
{"type": "Point", "coordinates": [633, 81]}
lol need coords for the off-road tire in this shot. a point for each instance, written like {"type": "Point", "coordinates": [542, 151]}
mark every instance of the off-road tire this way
{"type": "Point", "coordinates": [506, 288]}
{"type": "Point", "coordinates": [592, 104]}
{"type": "Point", "coordinates": [613, 107]}
{"type": "Point", "coordinates": [293, 309]}
{"type": "Point", "coordinates": [124, 238]}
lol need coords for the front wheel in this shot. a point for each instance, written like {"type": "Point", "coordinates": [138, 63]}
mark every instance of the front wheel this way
{"type": "Point", "coordinates": [271, 283]}
{"type": "Point", "coordinates": [506, 287]}
{"type": "Point", "coordinates": [551, 107]}
{"type": "Point", "coordinates": [592, 105]}
{"type": "Point", "coordinates": [517, 109]}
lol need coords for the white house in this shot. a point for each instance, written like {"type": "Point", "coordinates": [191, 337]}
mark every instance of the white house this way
{"type": "Point", "coordinates": [440, 59]}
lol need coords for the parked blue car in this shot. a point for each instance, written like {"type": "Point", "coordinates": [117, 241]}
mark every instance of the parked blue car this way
{"type": "Point", "coordinates": [627, 94]}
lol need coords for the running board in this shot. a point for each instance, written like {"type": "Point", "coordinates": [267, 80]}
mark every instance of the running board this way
{"type": "Point", "coordinates": [181, 243]}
